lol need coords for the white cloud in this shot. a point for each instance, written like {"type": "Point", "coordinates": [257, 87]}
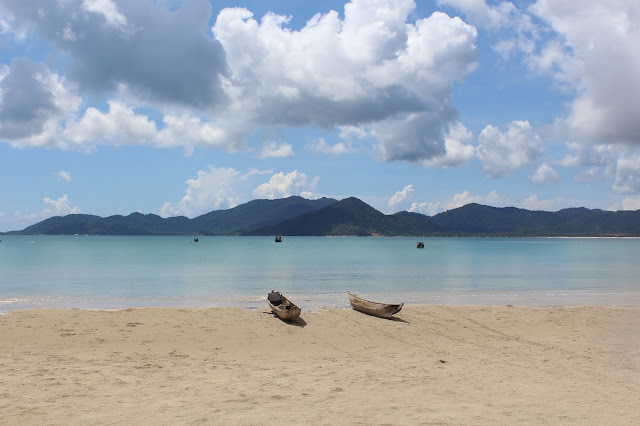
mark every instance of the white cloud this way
{"type": "Point", "coordinates": [221, 188]}
{"type": "Point", "coordinates": [400, 196]}
{"type": "Point", "coordinates": [352, 132]}
{"type": "Point", "coordinates": [119, 125]}
{"type": "Point", "coordinates": [481, 14]}
{"type": "Point", "coordinates": [189, 131]}
{"type": "Point", "coordinates": [553, 204]}
{"type": "Point", "coordinates": [213, 189]}
{"type": "Point", "coordinates": [33, 100]}
{"type": "Point", "coordinates": [276, 150]}
{"type": "Point", "coordinates": [503, 153]}
{"type": "Point", "coordinates": [148, 60]}
{"type": "Point", "coordinates": [60, 207]}
{"type": "Point", "coordinates": [283, 185]}
{"type": "Point", "coordinates": [631, 203]}
{"type": "Point", "coordinates": [52, 207]}
{"type": "Point", "coordinates": [377, 71]}
{"type": "Point", "coordinates": [458, 148]}
{"type": "Point", "coordinates": [458, 200]}
{"type": "Point", "coordinates": [372, 70]}
{"type": "Point", "coordinates": [320, 146]}
{"type": "Point", "coordinates": [618, 163]}
{"type": "Point", "coordinates": [588, 48]}
{"type": "Point", "coordinates": [64, 176]}
{"type": "Point", "coordinates": [594, 52]}
{"type": "Point", "coordinates": [426, 208]}
{"type": "Point", "coordinates": [108, 9]}
{"type": "Point", "coordinates": [462, 199]}
{"type": "Point", "coordinates": [544, 175]}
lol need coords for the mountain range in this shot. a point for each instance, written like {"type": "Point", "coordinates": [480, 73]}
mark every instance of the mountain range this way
{"type": "Point", "coordinates": [351, 216]}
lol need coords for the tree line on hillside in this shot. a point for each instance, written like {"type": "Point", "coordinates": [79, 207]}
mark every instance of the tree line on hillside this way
{"type": "Point", "coordinates": [351, 216]}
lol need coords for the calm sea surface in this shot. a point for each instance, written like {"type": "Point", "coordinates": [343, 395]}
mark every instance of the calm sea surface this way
{"type": "Point", "coordinates": [127, 271]}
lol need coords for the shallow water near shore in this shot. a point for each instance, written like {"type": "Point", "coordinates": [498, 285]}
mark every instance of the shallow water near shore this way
{"type": "Point", "coordinates": [108, 272]}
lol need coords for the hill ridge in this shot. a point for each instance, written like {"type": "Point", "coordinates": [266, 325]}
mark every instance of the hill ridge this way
{"type": "Point", "coordinates": [351, 216]}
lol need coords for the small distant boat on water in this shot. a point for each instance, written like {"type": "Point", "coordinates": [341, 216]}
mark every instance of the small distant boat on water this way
{"type": "Point", "coordinates": [420, 244]}
{"type": "Point", "coordinates": [282, 307]}
{"type": "Point", "coordinates": [383, 310]}
{"type": "Point", "coordinates": [195, 240]}
{"type": "Point", "coordinates": [278, 239]}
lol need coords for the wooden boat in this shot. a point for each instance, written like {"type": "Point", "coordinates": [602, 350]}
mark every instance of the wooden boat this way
{"type": "Point", "coordinates": [278, 239]}
{"type": "Point", "coordinates": [420, 244]}
{"type": "Point", "coordinates": [282, 307]}
{"type": "Point", "coordinates": [383, 310]}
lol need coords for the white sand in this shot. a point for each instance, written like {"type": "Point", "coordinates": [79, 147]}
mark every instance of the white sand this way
{"type": "Point", "coordinates": [434, 364]}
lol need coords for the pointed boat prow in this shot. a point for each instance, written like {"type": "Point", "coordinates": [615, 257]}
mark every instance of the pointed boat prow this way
{"type": "Point", "coordinates": [282, 307]}
{"type": "Point", "coordinates": [383, 310]}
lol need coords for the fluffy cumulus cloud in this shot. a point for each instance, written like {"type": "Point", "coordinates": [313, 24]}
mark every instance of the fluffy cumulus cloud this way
{"type": "Point", "coordinates": [33, 100]}
{"type": "Point", "coordinates": [594, 55]}
{"type": "Point", "coordinates": [212, 189]}
{"type": "Point", "coordinates": [545, 174]}
{"type": "Point", "coordinates": [121, 125]}
{"type": "Point", "coordinates": [373, 69]}
{"type": "Point", "coordinates": [458, 149]}
{"type": "Point", "coordinates": [400, 196]}
{"type": "Point", "coordinates": [504, 152]}
{"type": "Point", "coordinates": [588, 48]}
{"type": "Point", "coordinates": [61, 206]}
{"type": "Point", "coordinates": [222, 188]}
{"type": "Point", "coordinates": [283, 185]}
{"type": "Point", "coordinates": [379, 68]}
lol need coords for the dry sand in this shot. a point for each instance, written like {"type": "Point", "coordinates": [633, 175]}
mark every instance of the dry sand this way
{"type": "Point", "coordinates": [434, 364]}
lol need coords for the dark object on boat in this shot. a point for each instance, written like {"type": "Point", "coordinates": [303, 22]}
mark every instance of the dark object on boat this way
{"type": "Point", "coordinates": [195, 240]}
{"type": "Point", "coordinates": [420, 245]}
{"type": "Point", "coordinates": [278, 239]}
{"type": "Point", "coordinates": [282, 307]}
{"type": "Point", "coordinates": [383, 310]}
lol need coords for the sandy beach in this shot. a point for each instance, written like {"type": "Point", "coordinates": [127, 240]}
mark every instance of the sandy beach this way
{"type": "Point", "coordinates": [432, 365]}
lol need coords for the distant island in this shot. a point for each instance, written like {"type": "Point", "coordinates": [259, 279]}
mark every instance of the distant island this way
{"type": "Point", "coordinates": [297, 216]}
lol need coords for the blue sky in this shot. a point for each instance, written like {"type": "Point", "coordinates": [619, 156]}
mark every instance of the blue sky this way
{"type": "Point", "coordinates": [182, 107]}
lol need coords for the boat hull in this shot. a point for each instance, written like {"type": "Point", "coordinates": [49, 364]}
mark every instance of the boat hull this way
{"type": "Point", "coordinates": [287, 310]}
{"type": "Point", "coordinates": [383, 310]}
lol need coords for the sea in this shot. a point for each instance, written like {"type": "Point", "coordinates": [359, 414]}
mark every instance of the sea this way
{"type": "Point", "coordinates": [113, 272]}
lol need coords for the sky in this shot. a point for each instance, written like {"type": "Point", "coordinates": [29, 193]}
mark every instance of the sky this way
{"type": "Point", "coordinates": [181, 107]}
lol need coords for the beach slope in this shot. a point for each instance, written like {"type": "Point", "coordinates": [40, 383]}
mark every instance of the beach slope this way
{"type": "Point", "coordinates": [432, 364]}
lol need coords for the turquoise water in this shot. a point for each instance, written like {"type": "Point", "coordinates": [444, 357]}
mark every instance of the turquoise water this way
{"type": "Point", "coordinates": [126, 271]}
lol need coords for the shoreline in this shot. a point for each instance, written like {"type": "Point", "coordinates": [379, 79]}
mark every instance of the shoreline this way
{"type": "Point", "coordinates": [318, 302]}
{"type": "Point", "coordinates": [432, 364]}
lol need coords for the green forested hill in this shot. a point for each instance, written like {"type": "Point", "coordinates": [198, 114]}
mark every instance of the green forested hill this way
{"type": "Point", "coordinates": [220, 222]}
{"type": "Point", "coordinates": [351, 216]}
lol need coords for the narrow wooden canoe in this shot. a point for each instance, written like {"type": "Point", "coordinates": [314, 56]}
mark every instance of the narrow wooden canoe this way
{"type": "Point", "coordinates": [384, 310]}
{"type": "Point", "coordinates": [282, 307]}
